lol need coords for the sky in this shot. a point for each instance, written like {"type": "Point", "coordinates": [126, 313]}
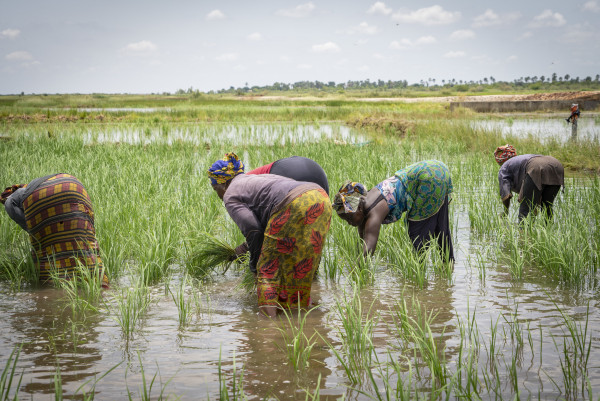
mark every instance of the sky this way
{"type": "Point", "coordinates": [135, 46]}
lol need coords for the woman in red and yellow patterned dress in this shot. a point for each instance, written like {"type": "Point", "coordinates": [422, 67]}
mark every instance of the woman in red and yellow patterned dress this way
{"type": "Point", "coordinates": [285, 223]}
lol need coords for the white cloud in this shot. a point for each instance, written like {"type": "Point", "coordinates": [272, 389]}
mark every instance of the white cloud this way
{"type": "Point", "coordinates": [364, 27]}
{"type": "Point", "coordinates": [548, 18]}
{"type": "Point", "coordinates": [328, 47]}
{"type": "Point", "coordinates": [490, 18]}
{"type": "Point", "coordinates": [227, 57]}
{"type": "Point", "coordinates": [19, 56]}
{"type": "Point", "coordinates": [525, 35]}
{"type": "Point", "coordinates": [285, 59]}
{"type": "Point", "coordinates": [9, 33]}
{"type": "Point", "coordinates": [407, 43]}
{"type": "Point", "coordinates": [363, 68]}
{"type": "Point", "coordinates": [426, 40]}
{"type": "Point", "coordinates": [303, 10]}
{"type": "Point", "coordinates": [255, 36]}
{"type": "Point", "coordinates": [304, 66]}
{"type": "Point", "coordinates": [454, 54]}
{"type": "Point", "coordinates": [379, 7]}
{"type": "Point", "coordinates": [592, 6]}
{"type": "Point", "coordinates": [402, 44]}
{"type": "Point", "coordinates": [141, 48]}
{"type": "Point", "coordinates": [378, 56]}
{"type": "Point", "coordinates": [215, 15]}
{"type": "Point", "coordinates": [512, 58]}
{"type": "Point", "coordinates": [462, 34]}
{"type": "Point", "coordinates": [434, 15]}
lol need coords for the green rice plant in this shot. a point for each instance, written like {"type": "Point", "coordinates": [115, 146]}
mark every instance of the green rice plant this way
{"type": "Point", "coordinates": [209, 253]}
{"type": "Point", "coordinates": [18, 267]}
{"type": "Point", "coordinates": [8, 375]}
{"type": "Point", "coordinates": [516, 253]}
{"type": "Point", "coordinates": [296, 344]}
{"type": "Point", "coordinates": [356, 334]}
{"type": "Point", "coordinates": [417, 334]}
{"type": "Point", "coordinates": [58, 391]}
{"type": "Point", "coordinates": [574, 353]}
{"type": "Point", "coordinates": [128, 306]}
{"type": "Point", "coordinates": [83, 289]}
{"type": "Point", "coordinates": [145, 392]}
{"type": "Point", "coordinates": [316, 395]}
{"type": "Point", "coordinates": [237, 384]}
{"type": "Point", "coordinates": [90, 394]}
{"type": "Point", "coordinates": [405, 261]}
{"type": "Point", "coordinates": [183, 303]}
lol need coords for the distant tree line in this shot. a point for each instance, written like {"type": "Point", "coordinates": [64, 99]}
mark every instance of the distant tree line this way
{"type": "Point", "coordinates": [551, 82]}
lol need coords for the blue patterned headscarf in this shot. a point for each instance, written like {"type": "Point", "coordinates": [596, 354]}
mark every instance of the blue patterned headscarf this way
{"type": "Point", "coordinates": [348, 197]}
{"type": "Point", "coordinates": [225, 169]}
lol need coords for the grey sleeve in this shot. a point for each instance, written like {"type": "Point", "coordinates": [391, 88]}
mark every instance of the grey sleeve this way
{"type": "Point", "coordinates": [504, 182]}
{"type": "Point", "coordinates": [14, 208]}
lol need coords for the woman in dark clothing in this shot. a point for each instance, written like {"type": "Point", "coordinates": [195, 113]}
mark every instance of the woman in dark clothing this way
{"type": "Point", "coordinates": [285, 223]}
{"type": "Point", "coordinates": [297, 168]}
{"type": "Point", "coordinates": [57, 213]}
{"type": "Point", "coordinates": [536, 178]}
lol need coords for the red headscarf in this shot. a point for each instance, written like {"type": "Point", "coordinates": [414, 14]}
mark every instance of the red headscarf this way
{"type": "Point", "coordinates": [503, 153]}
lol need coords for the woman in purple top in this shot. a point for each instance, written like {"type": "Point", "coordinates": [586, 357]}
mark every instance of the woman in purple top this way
{"type": "Point", "coordinates": [536, 178]}
{"type": "Point", "coordinates": [285, 223]}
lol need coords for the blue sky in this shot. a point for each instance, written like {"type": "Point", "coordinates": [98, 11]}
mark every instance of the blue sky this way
{"type": "Point", "coordinates": [152, 46]}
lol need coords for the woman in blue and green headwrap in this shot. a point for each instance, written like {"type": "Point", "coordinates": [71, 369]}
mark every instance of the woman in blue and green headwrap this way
{"type": "Point", "coordinates": [421, 190]}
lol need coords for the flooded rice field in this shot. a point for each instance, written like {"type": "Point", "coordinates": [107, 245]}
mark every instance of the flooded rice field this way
{"type": "Point", "coordinates": [237, 135]}
{"type": "Point", "coordinates": [546, 128]}
{"type": "Point", "coordinates": [517, 317]}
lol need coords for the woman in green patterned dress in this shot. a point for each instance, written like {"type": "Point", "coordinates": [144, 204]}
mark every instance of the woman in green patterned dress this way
{"type": "Point", "coordinates": [421, 190]}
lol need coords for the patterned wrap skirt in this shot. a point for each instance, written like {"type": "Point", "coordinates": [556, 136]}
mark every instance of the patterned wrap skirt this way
{"type": "Point", "coordinates": [291, 250]}
{"type": "Point", "coordinates": [60, 222]}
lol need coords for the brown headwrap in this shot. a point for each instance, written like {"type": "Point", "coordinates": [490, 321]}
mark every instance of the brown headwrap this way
{"type": "Point", "coordinates": [8, 191]}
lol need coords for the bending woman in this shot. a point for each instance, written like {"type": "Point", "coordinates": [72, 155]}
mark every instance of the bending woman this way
{"type": "Point", "coordinates": [422, 190]}
{"type": "Point", "coordinates": [298, 168]}
{"type": "Point", "coordinates": [536, 178]}
{"type": "Point", "coordinates": [57, 213]}
{"type": "Point", "coordinates": [285, 223]}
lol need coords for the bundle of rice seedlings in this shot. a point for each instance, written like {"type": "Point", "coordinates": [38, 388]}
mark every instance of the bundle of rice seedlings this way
{"type": "Point", "coordinates": [248, 282]}
{"type": "Point", "coordinates": [209, 254]}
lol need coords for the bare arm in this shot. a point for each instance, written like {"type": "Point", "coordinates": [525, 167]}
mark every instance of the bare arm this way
{"type": "Point", "coordinates": [369, 230]}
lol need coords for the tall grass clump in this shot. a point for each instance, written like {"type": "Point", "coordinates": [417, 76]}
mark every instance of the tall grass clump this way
{"type": "Point", "coordinates": [296, 344]}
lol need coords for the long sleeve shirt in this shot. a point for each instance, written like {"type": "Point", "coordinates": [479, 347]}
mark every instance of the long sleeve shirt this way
{"type": "Point", "coordinates": [250, 200]}
{"type": "Point", "coordinates": [14, 203]}
{"type": "Point", "coordinates": [512, 173]}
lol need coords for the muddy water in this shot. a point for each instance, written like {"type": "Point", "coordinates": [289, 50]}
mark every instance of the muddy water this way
{"type": "Point", "coordinates": [545, 128]}
{"type": "Point", "coordinates": [226, 329]}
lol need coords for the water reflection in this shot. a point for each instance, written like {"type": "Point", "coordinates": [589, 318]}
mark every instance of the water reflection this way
{"type": "Point", "coordinates": [544, 129]}
{"type": "Point", "coordinates": [51, 336]}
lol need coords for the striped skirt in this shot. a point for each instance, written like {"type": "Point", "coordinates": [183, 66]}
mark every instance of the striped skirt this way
{"type": "Point", "coordinates": [60, 222]}
{"type": "Point", "coordinates": [291, 250]}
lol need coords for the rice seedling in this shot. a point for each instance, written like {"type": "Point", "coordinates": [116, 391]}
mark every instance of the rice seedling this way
{"type": "Point", "coordinates": [417, 334]}
{"type": "Point", "coordinates": [210, 253]}
{"type": "Point", "coordinates": [236, 385]}
{"type": "Point", "coordinates": [296, 344]}
{"type": "Point", "coordinates": [183, 302]}
{"type": "Point", "coordinates": [145, 391]}
{"type": "Point", "coordinates": [356, 334]}
{"type": "Point", "coordinates": [8, 375]}
{"type": "Point", "coordinates": [83, 289]}
{"type": "Point", "coordinates": [128, 306]}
